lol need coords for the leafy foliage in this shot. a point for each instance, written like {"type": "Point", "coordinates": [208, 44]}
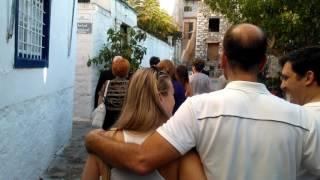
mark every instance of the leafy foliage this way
{"type": "Point", "coordinates": [122, 44]}
{"type": "Point", "coordinates": [154, 20]}
{"type": "Point", "coordinates": [289, 24]}
{"type": "Point", "coordinates": [272, 83]}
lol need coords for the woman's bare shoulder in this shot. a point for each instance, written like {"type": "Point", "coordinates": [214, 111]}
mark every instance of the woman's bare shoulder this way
{"type": "Point", "coordinates": [114, 133]}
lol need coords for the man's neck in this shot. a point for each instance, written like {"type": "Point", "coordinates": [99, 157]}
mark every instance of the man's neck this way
{"type": "Point", "coordinates": [242, 76]}
{"type": "Point", "coordinates": [313, 95]}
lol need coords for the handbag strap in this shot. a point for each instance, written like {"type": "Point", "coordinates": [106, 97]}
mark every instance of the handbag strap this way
{"type": "Point", "coordinates": [106, 89]}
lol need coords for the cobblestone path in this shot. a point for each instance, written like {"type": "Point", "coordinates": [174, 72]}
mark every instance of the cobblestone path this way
{"type": "Point", "coordinates": [68, 165]}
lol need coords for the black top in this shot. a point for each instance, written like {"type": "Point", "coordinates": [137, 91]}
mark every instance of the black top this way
{"type": "Point", "coordinates": [114, 100]}
{"type": "Point", "coordinates": [104, 76]}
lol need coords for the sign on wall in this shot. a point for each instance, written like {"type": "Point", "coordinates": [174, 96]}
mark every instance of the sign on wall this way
{"type": "Point", "coordinates": [84, 28]}
{"type": "Point", "coordinates": [84, 25]}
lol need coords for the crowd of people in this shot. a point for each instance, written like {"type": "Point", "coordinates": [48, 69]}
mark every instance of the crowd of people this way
{"type": "Point", "coordinates": [173, 127]}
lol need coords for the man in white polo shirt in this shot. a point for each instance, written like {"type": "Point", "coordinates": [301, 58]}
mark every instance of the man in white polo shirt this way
{"type": "Point", "coordinates": [240, 132]}
{"type": "Point", "coordinates": [301, 80]}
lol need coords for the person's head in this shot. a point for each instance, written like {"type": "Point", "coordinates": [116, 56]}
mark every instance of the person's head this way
{"type": "Point", "coordinates": [149, 101]}
{"type": "Point", "coordinates": [154, 61]}
{"type": "Point", "coordinates": [198, 65]}
{"type": "Point", "coordinates": [244, 49]}
{"type": "Point", "coordinates": [168, 67]}
{"type": "Point", "coordinates": [120, 67]}
{"type": "Point", "coordinates": [300, 74]}
{"type": "Point", "coordinates": [182, 74]}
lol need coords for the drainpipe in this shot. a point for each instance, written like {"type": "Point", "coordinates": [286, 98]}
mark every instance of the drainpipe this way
{"type": "Point", "coordinates": [10, 25]}
{"type": "Point", "coordinates": [71, 28]}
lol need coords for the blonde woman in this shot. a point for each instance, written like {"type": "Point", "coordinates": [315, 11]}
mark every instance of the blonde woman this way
{"type": "Point", "coordinates": [149, 103]}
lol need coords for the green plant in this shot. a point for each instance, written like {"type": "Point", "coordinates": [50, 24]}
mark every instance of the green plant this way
{"type": "Point", "coordinates": [154, 20]}
{"type": "Point", "coordinates": [272, 83]}
{"type": "Point", "coordinates": [120, 43]}
{"type": "Point", "coordinates": [288, 24]}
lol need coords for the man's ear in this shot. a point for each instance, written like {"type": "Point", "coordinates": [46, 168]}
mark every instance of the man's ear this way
{"type": "Point", "coordinates": [262, 63]}
{"type": "Point", "coordinates": [224, 61]}
{"type": "Point", "coordinates": [309, 78]}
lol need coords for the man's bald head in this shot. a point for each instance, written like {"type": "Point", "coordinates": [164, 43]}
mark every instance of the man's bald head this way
{"type": "Point", "coordinates": [245, 46]}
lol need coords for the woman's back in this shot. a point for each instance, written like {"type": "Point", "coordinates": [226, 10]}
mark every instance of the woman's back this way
{"type": "Point", "coordinates": [116, 92]}
{"type": "Point", "coordinates": [120, 174]}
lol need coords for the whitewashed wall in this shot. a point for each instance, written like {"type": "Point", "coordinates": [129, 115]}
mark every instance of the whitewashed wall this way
{"type": "Point", "coordinates": [124, 13]}
{"type": "Point", "coordinates": [156, 47]}
{"type": "Point", "coordinates": [103, 17]}
{"type": "Point", "coordinates": [88, 46]}
{"type": "Point", "coordinates": [36, 103]}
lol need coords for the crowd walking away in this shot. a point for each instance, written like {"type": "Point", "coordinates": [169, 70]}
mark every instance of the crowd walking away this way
{"type": "Point", "coordinates": [241, 132]}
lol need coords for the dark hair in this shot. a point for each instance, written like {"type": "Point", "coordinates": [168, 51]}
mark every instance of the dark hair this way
{"type": "Point", "coordinates": [154, 61]}
{"type": "Point", "coordinates": [182, 74]}
{"type": "Point", "coordinates": [198, 65]}
{"type": "Point", "coordinates": [245, 50]}
{"type": "Point", "coordinates": [303, 60]}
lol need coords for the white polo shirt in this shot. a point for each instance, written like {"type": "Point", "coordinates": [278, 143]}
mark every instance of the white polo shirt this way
{"type": "Point", "coordinates": [243, 132]}
{"type": "Point", "coordinates": [312, 107]}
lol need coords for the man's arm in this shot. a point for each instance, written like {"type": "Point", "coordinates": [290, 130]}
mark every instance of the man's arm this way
{"type": "Point", "coordinates": [142, 159]}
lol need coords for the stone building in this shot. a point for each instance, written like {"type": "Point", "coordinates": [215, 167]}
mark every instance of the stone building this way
{"type": "Point", "coordinates": [203, 32]}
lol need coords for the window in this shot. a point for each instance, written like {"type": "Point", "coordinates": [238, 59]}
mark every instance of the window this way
{"type": "Point", "coordinates": [83, 1]}
{"type": "Point", "coordinates": [187, 8]}
{"type": "Point", "coordinates": [188, 29]}
{"type": "Point", "coordinates": [214, 24]}
{"type": "Point", "coordinates": [32, 33]}
{"type": "Point", "coordinates": [213, 51]}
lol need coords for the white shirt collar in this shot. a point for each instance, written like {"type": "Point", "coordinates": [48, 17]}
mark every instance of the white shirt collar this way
{"type": "Point", "coordinates": [248, 86]}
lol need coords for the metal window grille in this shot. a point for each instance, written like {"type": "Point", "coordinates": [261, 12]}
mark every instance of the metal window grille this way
{"type": "Point", "coordinates": [30, 29]}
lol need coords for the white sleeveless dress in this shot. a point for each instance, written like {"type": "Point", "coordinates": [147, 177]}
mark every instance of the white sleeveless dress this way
{"type": "Point", "coordinates": [119, 174]}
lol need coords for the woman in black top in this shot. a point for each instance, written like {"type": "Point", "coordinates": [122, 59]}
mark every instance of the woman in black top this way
{"type": "Point", "coordinates": [116, 91]}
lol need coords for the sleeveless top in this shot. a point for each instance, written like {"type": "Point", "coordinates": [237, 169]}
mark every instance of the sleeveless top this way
{"type": "Point", "coordinates": [119, 174]}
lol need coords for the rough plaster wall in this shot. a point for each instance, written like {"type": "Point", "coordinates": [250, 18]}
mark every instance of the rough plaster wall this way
{"type": "Point", "coordinates": [89, 46]}
{"type": "Point", "coordinates": [33, 134]}
{"type": "Point", "coordinates": [36, 103]}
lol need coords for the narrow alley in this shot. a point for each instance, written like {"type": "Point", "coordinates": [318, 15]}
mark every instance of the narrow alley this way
{"type": "Point", "coordinates": [69, 163]}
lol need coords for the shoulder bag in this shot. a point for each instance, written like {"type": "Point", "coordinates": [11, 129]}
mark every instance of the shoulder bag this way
{"type": "Point", "coordinates": [99, 114]}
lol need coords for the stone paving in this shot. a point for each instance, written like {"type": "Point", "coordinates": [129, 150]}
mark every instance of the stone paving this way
{"type": "Point", "coordinates": [68, 164]}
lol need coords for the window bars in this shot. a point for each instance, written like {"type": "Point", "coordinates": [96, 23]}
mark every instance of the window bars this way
{"type": "Point", "coordinates": [30, 29]}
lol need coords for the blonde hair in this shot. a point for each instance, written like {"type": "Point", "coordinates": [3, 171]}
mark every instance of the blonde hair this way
{"type": "Point", "coordinates": [142, 110]}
